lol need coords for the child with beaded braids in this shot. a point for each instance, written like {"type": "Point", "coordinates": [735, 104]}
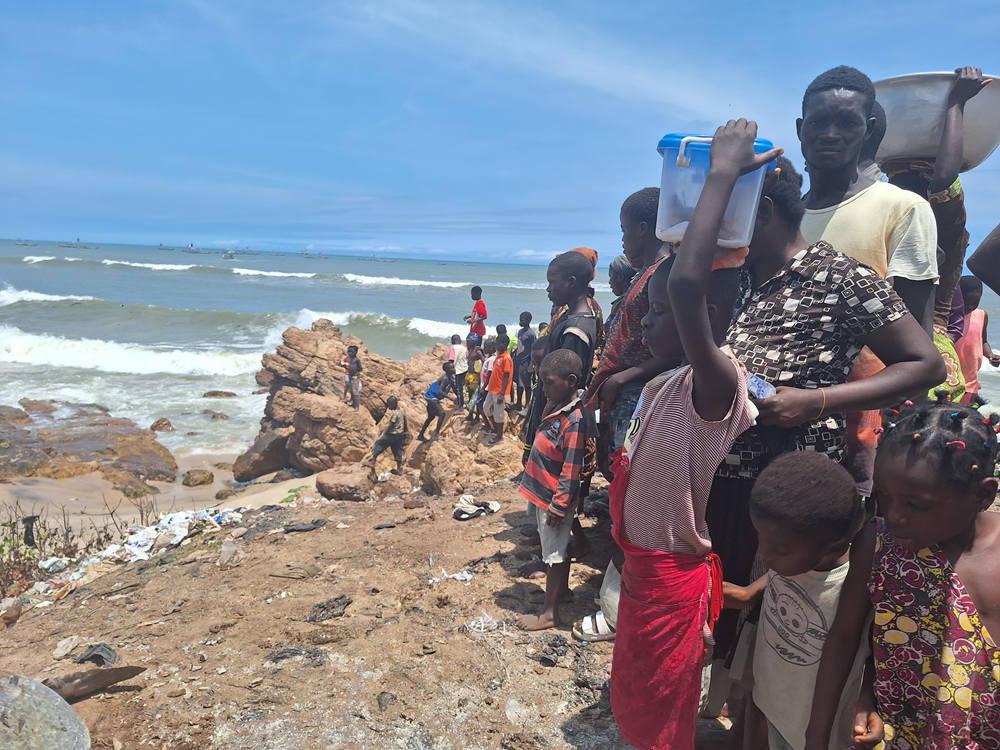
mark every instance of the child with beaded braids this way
{"type": "Point", "coordinates": [929, 568]}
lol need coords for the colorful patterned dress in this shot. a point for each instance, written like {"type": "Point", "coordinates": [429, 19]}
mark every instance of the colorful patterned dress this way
{"type": "Point", "coordinates": [937, 668]}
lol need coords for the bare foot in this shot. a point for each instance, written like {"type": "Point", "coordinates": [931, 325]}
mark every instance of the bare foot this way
{"type": "Point", "coordinates": [537, 622]}
{"type": "Point", "coordinates": [369, 464]}
{"type": "Point", "coordinates": [534, 571]}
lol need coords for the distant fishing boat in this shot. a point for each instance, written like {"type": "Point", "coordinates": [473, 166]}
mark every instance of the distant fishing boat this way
{"type": "Point", "coordinates": [74, 246]}
{"type": "Point", "coordinates": [26, 244]}
{"type": "Point", "coordinates": [229, 255]}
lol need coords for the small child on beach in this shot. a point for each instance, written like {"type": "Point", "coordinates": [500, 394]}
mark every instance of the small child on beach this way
{"type": "Point", "coordinates": [522, 360]}
{"type": "Point", "coordinates": [806, 510]}
{"type": "Point", "coordinates": [974, 344]}
{"type": "Point", "coordinates": [686, 422]}
{"type": "Point", "coordinates": [472, 380]}
{"type": "Point", "coordinates": [928, 570]}
{"type": "Point", "coordinates": [488, 357]}
{"type": "Point", "coordinates": [353, 365]}
{"type": "Point", "coordinates": [434, 395]}
{"type": "Point", "coordinates": [458, 355]}
{"type": "Point", "coordinates": [551, 479]}
{"type": "Point", "coordinates": [394, 436]}
{"type": "Point", "coordinates": [498, 390]}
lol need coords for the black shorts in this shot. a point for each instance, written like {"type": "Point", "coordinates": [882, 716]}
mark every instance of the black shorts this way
{"type": "Point", "coordinates": [434, 408]}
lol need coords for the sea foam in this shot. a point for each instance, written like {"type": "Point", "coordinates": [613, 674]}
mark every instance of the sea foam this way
{"type": "Point", "coordinates": [110, 356]}
{"type": "Point", "coordinates": [253, 272]}
{"type": "Point", "coordinates": [150, 266]}
{"type": "Point", "coordinates": [392, 281]}
{"type": "Point", "coordinates": [38, 258]}
{"type": "Point", "coordinates": [10, 296]}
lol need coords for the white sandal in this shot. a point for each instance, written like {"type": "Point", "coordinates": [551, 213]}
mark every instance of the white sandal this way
{"type": "Point", "coordinates": [593, 628]}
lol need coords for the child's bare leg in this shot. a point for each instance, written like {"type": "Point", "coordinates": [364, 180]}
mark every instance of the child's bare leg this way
{"type": "Point", "coordinates": [556, 584]}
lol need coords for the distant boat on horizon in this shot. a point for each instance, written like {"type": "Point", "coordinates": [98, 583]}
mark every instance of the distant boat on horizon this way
{"type": "Point", "coordinates": [26, 244]}
{"type": "Point", "coordinates": [75, 246]}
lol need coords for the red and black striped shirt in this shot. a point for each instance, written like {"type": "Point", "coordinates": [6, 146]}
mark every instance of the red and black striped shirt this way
{"type": "Point", "coordinates": [551, 477]}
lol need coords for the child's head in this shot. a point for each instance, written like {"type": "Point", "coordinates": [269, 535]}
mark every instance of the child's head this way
{"type": "Point", "coordinates": [503, 341]}
{"type": "Point", "coordinates": [456, 339]}
{"type": "Point", "coordinates": [524, 320]}
{"type": "Point", "coordinates": [501, 329]}
{"type": "Point", "coordinates": [559, 374]}
{"type": "Point", "coordinates": [972, 292]}
{"type": "Point", "coordinates": [779, 213]}
{"type": "Point", "coordinates": [806, 510]}
{"type": "Point", "coordinates": [620, 274]}
{"type": "Point", "coordinates": [568, 276]}
{"type": "Point", "coordinates": [659, 330]}
{"type": "Point", "coordinates": [542, 327]}
{"type": "Point", "coordinates": [836, 118]}
{"type": "Point", "coordinates": [392, 403]}
{"type": "Point", "coordinates": [638, 221]}
{"type": "Point", "coordinates": [934, 471]}
{"type": "Point", "coordinates": [352, 351]}
{"type": "Point", "coordinates": [490, 345]}
{"type": "Point", "coordinates": [538, 352]}
{"type": "Point", "coordinates": [472, 340]}
{"type": "Point", "coordinates": [449, 368]}
{"type": "Point", "coordinates": [477, 293]}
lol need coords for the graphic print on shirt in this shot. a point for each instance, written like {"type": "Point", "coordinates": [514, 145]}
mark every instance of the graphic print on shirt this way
{"type": "Point", "coordinates": [798, 626]}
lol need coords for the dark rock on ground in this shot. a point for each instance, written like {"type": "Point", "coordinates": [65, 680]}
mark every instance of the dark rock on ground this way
{"type": "Point", "coordinates": [219, 394]}
{"type": "Point", "coordinates": [198, 478]}
{"type": "Point", "coordinates": [162, 425]}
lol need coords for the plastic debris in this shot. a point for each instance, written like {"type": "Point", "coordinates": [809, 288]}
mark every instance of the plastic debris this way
{"type": "Point", "coordinates": [465, 576]}
{"type": "Point", "coordinates": [54, 565]}
{"type": "Point", "coordinates": [100, 653]}
{"type": "Point", "coordinates": [484, 624]}
{"type": "Point", "coordinates": [329, 609]}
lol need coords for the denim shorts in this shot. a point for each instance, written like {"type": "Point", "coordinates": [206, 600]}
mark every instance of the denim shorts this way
{"type": "Point", "coordinates": [624, 407]}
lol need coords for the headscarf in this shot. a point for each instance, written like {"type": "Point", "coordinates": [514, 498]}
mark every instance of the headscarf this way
{"type": "Point", "coordinates": [622, 267]}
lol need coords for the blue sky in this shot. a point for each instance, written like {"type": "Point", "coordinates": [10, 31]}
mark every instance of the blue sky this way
{"type": "Point", "coordinates": [494, 131]}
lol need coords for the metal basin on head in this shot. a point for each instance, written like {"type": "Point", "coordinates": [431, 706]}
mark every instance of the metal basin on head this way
{"type": "Point", "coordinates": [915, 108]}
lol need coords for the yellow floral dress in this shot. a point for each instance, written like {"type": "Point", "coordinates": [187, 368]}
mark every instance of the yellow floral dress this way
{"type": "Point", "coordinates": [937, 670]}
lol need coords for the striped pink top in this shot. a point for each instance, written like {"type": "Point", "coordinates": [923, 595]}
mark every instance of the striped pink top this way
{"type": "Point", "coordinates": [673, 454]}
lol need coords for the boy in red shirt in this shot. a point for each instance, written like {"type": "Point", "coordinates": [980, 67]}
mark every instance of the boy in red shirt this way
{"type": "Point", "coordinates": [475, 320]}
{"type": "Point", "coordinates": [494, 407]}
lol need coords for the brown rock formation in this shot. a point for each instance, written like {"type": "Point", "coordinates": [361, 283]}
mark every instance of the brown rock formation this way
{"type": "Point", "coordinates": [219, 394]}
{"type": "Point", "coordinates": [307, 426]}
{"type": "Point", "coordinates": [162, 425]}
{"type": "Point", "coordinates": [57, 439]}
{"type": "Point", "coordinates": [344, 484]}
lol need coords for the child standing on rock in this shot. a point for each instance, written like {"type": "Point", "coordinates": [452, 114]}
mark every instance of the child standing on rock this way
{"type": "Point", "coordinates": [353, 365]}
{"type": "Point", "coordinates": [458, 355]}
{"type": "Point", "coordinates": [434, 395]}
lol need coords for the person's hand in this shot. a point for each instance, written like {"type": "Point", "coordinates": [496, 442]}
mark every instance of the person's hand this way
{"type": "Point", "coordinates": [609, 393]}
{"type": "Point", "coordinates": [869, 729]}
{"type": "Point", "coordinates": [467, 318]}
{"type": "Point", "coordinates": [553, 521]}
{"type": "Point", "coordinates": [968, 83]}
{"type": "Point", "coordinates": [789, 407]}
{"type": "Point", "coordinates": [735, 597]}
{"type": "Point", "coordinates": [995, 360]}
{"type": "Point", "coordinates": [524, 458]}
{"type": "Point", "coordinates": [732, 149]}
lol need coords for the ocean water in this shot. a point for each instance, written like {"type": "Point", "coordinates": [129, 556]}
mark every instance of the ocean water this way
{"type": "Point", "coordinates": [146, 331]}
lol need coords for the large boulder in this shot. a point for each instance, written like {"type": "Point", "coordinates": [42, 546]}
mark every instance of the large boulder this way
{"type": "Point", "coordinates": [267, 455]}
{"type": "Point", "coordinates": [345, 484]}
{"type": "Point", "coordinates": [325, 432]}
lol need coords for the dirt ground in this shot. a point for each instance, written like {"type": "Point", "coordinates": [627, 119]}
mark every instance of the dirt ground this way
{"type": "Point", "coordinates": [232, 661]}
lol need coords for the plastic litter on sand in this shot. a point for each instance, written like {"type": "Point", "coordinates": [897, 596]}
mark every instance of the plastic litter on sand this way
{"type": "Point", "coordinates": [463, 576]}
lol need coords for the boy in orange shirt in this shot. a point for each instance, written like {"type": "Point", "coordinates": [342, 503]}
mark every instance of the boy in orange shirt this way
{"type": "Point", "coordinates": [495, 406]}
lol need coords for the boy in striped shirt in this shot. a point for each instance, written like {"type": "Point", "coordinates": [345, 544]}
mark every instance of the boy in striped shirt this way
{"type": "Point", "coordinates": [551, 479]}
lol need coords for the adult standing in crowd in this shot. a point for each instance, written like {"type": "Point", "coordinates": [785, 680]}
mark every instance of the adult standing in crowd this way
{"type": "Point", "coordinates": [477, 319]}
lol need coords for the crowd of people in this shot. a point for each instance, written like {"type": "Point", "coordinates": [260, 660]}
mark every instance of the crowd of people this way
{"type": "Point", "coordinates": [799, 465]}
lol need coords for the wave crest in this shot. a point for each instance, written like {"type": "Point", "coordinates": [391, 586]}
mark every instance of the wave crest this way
{"type": "Point", "coordinates": [393, 281]}
{"type": "Point", "coordinates": [110, 356]}
{"type": "Point", "coordinates": [150, 266]}
{"type": "Point", "coordinates": [11, 296]}
{"type": "Point", "coordinates": [38, 258]}
{"type": "Point", "coordinates": [254, 272]}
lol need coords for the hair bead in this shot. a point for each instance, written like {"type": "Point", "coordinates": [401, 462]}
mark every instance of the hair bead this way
{"type": "Point", "coordinates": [907, 403]}
{"type": "Point", "coordinates": [916, 436]}
{"type": "Point", "coordinates": [878, 430]}
{"type": "Point", "coordinates": [958, 444]}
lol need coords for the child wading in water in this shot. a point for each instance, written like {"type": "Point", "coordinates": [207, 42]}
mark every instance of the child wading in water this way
{"type": "Point", "coordinates": [685, 423]}
{"type": "Point", "coordinates": [551, 479]}
{"type": "Point", "coordinates": [929, 570]}
{"type": "Point", "coordinates": [805, 509]}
